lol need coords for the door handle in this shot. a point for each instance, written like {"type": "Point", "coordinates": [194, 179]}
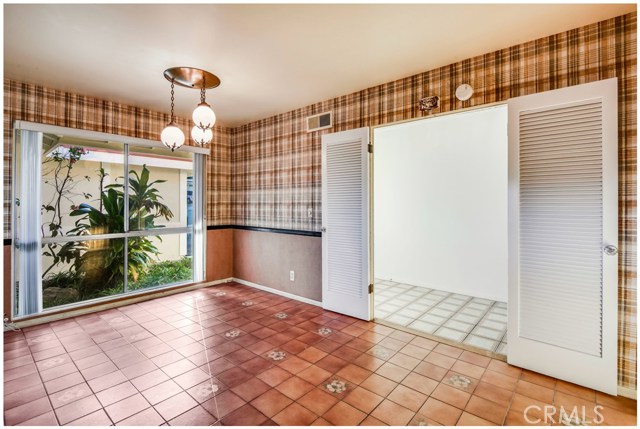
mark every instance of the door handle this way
{"type": "Point", "coordinates": [610, 250]}
{"type": "Point", "coordinates": [323, 229]}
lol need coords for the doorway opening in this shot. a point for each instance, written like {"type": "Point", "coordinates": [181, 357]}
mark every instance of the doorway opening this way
{"type": "Point", "coordinates": [440, 224]}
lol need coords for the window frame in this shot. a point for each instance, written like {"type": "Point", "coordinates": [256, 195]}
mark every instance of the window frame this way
{"type": "Point", "coordinates": [34, 133]}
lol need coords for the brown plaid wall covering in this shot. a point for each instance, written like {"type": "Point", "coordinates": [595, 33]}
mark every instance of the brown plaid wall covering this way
{"type": "Point", "coordinates": [267, 173]}
{"type": "Point", "coordinates": [35, 103]}
{"type": "Point", "coordinates": [277, 164]}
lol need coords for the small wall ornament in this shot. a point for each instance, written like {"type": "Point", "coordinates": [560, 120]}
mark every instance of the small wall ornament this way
{"type": "Point", "coordinates": [429, 103]}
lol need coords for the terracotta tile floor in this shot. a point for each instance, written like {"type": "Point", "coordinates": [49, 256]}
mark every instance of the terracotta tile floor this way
{"type": "Point", "coordinates": [273, 361]}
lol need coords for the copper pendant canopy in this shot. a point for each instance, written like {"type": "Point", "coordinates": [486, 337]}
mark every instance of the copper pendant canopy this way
{"type": "Point", "coordinates": [191, 77]}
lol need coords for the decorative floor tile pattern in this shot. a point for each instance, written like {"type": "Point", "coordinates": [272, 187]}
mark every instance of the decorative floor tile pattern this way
{"type": "Point", "coordinates": [464, 319]}
{"type": "Point", "coordinates": [169, 361]}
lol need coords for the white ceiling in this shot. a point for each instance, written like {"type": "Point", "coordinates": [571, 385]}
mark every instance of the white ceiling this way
{"type": "Point", "coordinates": [270, 58]}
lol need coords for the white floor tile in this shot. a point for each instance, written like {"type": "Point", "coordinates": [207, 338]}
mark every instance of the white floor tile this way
{"type": "Point", "coordinates": [472, 312]}
{"type": "Point", "coordinates": [483, 343]}
{"type": "Point", "coordinates": [451, 334]}
{"type": "Point", "coordinates": [466, 318]}
{"type": "Point", "coordinates": [385, 295]}
{"type": "Point", "coordinates": [413, 314]}
{"type": "Point", "coordinates": [399, 302]}
{"type": "Point", "coordinates": [424, 326]}
{"type": "Point", "coordinates": [426, 301]}
{"type": "Point", "coordinates": [483, 301]}
{"type": "Point", "coordinates": [493, 324]}
{"type": "Point", "coordinates": [488, 333]}
{"type": "Point", "coordinates": [459, 326]}
{"type": "Point", "coordinates": [497, 317]}
{"type": "Point", "coordinates": [400, 320]}
{"type": "Point", "coordinates": [461, 297]}
{"type": "Point", "coordinates": [418, 307]}
{"type": "Point", "coordinates": [476, 306]}
{"type": "Point", "coordinates": [390, 308]}
{"type": "Point", "coordinates": [431, 318]}
{"type": "Point", "coordinates": [449, 307]}
{"type": "Point", "coordinates": [440, 312]}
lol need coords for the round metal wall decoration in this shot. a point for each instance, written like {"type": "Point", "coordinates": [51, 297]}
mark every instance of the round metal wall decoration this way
{"type": "Point", "coordinates": [464, 92]}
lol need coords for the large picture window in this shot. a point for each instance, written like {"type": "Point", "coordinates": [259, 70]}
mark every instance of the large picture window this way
{"type": "Point", "coordinates": [97, 216]}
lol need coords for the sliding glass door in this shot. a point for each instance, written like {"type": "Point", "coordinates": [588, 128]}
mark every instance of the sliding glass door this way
{"type": "Point", "coordinates": [96, 218]}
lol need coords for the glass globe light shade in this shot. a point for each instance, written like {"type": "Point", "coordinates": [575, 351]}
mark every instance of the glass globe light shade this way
{"type": "Point", "coordinates": [172, 136]}
{"type": "Point", "coordinates": [200, 136]}
{"type": "Point", "coordinates": [203, 116]}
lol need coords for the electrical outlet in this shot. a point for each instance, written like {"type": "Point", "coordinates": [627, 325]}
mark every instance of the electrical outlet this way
{"type": "Point", "coordinates": [292, 275]}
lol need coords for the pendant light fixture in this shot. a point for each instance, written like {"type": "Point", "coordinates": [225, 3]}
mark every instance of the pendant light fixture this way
{"type": "Point", "coordinates": [172, 136]}
{"type": "Point", "coordinates": [203, 116]}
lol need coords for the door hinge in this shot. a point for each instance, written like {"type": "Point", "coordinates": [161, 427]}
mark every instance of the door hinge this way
{"type": "Point", "coordinates": [371, 288]}
{"type": "Point", "coordinates": [370, 148]}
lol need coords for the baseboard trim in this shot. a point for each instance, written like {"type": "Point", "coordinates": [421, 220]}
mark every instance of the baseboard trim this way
{"type": "Point", "coordinates": [46, 318]}
{"type": "Point", "coordinates": [628, 392]}
{"type": "Point", "coordinates": [278, 292]}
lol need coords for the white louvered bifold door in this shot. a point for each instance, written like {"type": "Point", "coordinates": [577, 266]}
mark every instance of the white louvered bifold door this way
{"type": "Point", "coordinates": [345, 220]}
{"type": "Point", "coordinates": [563, 234]}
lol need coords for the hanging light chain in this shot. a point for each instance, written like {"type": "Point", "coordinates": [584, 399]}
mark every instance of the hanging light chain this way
{"type": "Point", "coordinates": [172, 85]}
{"type": "Point", "coordinates": [202, 90]}
{"type": "Point", "coordinates": [172, 136]}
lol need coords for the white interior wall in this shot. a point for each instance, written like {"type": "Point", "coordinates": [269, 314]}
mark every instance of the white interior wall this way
{"type": "Point", "coordinates": [440, 203]}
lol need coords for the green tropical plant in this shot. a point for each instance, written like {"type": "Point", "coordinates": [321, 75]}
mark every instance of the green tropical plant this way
{"type": "Point", "coordinates": [144, 201]}
{"type": "Point", "coordinates": [101, 262]}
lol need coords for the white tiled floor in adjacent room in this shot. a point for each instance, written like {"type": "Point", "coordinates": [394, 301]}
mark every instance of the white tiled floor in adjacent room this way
{"type": "Point", "coordinates": [461, 318]}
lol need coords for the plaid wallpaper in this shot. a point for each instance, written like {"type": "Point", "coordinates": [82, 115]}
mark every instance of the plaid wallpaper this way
{"type": "Point", "coordinates": [276, 163]}
{"type": "Point", "coordinates": [35, 103]}
{"type": "Point", "coordinates": [267, 173]}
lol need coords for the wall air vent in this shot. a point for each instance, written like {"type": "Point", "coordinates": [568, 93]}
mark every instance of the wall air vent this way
{"type": "Point", "coordinates": [320, 121]}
